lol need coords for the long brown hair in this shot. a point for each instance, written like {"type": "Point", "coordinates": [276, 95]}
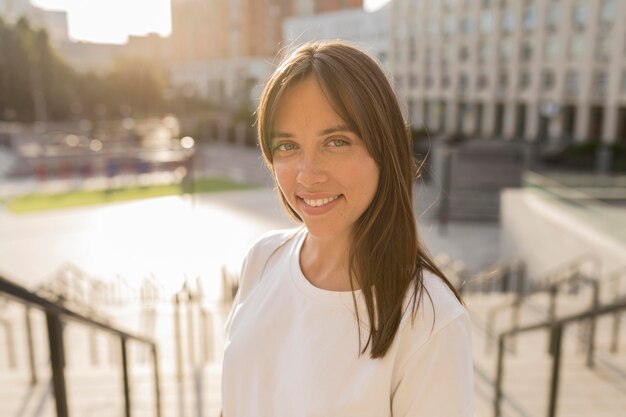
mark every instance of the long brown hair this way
{"type": "Point", "coordinates": [386, 257]}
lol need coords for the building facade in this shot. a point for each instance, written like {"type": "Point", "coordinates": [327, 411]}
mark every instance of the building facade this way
{"type": "Point", "coordinates": [226, 49]}
{"type": "Point", "coordinates": [369, 30]}
{"type": "Point", "coordinates": [550, 71]}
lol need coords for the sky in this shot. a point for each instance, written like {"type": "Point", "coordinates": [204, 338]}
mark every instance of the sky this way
{"type": "Point", "coordinates": [111, 21]}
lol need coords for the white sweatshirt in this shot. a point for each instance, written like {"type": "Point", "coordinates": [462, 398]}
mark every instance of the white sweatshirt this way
{"type": "Point", "coordinates": [292, 349]}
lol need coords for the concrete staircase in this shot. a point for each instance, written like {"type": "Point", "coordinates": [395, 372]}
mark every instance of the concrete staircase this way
{"type": "Point", "coordinates": [600, 391]}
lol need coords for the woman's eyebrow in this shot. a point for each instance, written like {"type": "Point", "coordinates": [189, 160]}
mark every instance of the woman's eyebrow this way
{"type": "Point", "coordinates": [324, 132]}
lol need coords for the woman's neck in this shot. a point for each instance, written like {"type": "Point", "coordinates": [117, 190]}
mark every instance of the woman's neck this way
{"type": "Point", "coordinates": [325, 262]}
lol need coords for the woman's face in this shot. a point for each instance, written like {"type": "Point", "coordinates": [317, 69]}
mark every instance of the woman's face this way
{"type": "Point", "coordinates": [322, 168]}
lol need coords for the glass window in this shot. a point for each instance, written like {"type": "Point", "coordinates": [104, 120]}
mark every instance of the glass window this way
{"type": "Point", "coordinates": [503, 81]}
{"type": "Point", "coordinates": [603, 47]}
{"type": "Point", "coordinates": [429, 81]}
{"type": "Point", "coordinates": [508, 22]}
{"type": "Point", "coordinates": [486, 21]}
{"type": "Point", "coordinates": [599, 83]}
{"type": "Point", "coordinates": [505, 50]}
{"type": "Point", "coordinates": [580, 12]}
{"type": "Point", "coordinates": [448, 26]}
{"type": "Point", "coordinates": [433, 28]}
{"type": "Point", "coordinates": [413, 80]}
{"type": "Point", "coordinates": [429, 55]}
{"type": "Point", "coordinates": [548, 80]}
{"type": "Point", "coordinates": [526, 50]}
{"type": "Point", "coordinates": [571, 83]}
{"type": "Point", "coordinates": [483, 81]}
{"type": "Point", "coordinates": [530, 18]}
{"type": "Point", "coordinates": [463, 53]}
{"type": "Point", "coordinates": [483, 52]}
{"type": "Point", "coordinates": [463, 83]}
{"type": "Point", "coordinates": [445, 81]}
{"type": "Point", "coordinates": [551, 48]}
{"type": "Point", "coordinates": [553, 17]}
{"type": "Point", "coordinates": [466, 25]}
{"type": "Point", "coordinates": [576, 47]}
{"type": "Point", "coordinates": [608, 11]}
{"type": "Point", "coordinates": [524, 80]}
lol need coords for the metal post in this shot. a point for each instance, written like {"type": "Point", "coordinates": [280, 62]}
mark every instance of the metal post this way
{"type": "Point", "coordinates": [592, 324]}
{"type": "Point", "coordinates": [179, 357]}
{"type": "Point", "coordinates": [490, 331]}
{"type": "Point", "coordinates": [31, 348]}
{"type": "Point", "coordinates": [8, 328]}
{"type": "Point", "coordinates": [157, 387]}
{"type": "Point", "coordinates": [552, 313]}
{"type": "Point", "coordinates": [615, 334]}
{"type": "Point", "coordinates": [125, 377]}
{"type": "Point", "coordinates": [499, 378]}
{"type": "Point", "coordinates": [556, 336]}
{"type": "Point", "coordinates": [443, 214]}
{"type": "Point", "coordinates": [515, 323]}
{"type": "Point", "coordinates": [57, 360]}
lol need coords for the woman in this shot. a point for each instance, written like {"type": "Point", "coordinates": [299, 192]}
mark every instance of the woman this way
{"type": "Point", "coordinates": [348, 315]}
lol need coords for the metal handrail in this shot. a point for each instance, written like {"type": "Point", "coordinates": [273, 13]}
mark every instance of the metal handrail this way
{"type": "Point", "coordinates": [556, 328]}
{"type": "Point", "coordinates": [552, 289]}
{"type": "Point", "coordinates": [55, 314]}
{"type": "Point", "coordinates": [499, 271]}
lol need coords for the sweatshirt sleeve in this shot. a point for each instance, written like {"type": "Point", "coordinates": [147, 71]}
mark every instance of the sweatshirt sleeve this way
{"type": "Point", "coordinates": [436, 380]}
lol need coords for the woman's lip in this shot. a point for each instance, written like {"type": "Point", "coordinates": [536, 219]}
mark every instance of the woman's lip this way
{"type": "Point", "coordinates": [314, 211]}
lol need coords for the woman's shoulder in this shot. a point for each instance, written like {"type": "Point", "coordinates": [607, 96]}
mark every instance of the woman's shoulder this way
{"type": "Point", "coordinates": [270, 241]}
{"type": "Point", "coordinates": [437, 307]}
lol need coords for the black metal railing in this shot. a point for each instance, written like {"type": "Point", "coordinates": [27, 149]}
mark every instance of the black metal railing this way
{"type": "Point", "coordinates": [569, 274]}
{"type": "Point", "coordinates": [556, 334]}
{"type": "Point", "coordinates": [56, 315]}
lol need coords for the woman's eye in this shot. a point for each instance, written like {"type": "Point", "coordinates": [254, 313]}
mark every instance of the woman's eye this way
{"type": "Point", "coordinates": [285, 147]}
{"type": "Point", "coordinates": [338, 142]}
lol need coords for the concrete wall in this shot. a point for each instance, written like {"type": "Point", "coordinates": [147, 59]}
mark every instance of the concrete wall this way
{"type": "Point", "coordinates": [548, 235]}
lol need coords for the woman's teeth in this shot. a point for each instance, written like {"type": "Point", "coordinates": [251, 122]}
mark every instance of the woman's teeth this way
{"type": "Point", "coordinates": [320, 202]}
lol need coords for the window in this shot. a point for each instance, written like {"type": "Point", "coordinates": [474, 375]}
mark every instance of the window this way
{"type": "Point", "coordinates": [445, 81]}
{"type": "Point", "coordinates": [483, 81]}
{"type": "Point", "coordinates": [524, 80]}
{"type": "Point", "coordinates": [548, 80]}
{"type": "Point", "coordinates": [466, 25]}
{"type": "Point", "coordinates": [608, 11]}
{"type": "Point", "coordinates": [463, 53]}
{"type": "Point", "coordinates": [530, 18]}
{"type": "Point", "coordinates": [599, 83]}
{"type": "Point", "coordinates": [433, 28]}
{"type": "Point", "coordinates": [580, 12]}
{"type": "Point", "coordinates": [429, 56]}
{"type": "Point", "coordinates": [483, 53]}
{"type": "Point", "coordinates": [486, 21]}
{"type": "Point", "coordinates": [551, 48]}
{"type": "Point", "coordinates": [504, 50]}
{"type": "Point", "coordinates": [576, 47]}
{"type": "Point", "coordinates": [463, 83]}
{"type": "Point", "coordinates": [553, 17]}
{"type": "Point", "coordinates": [429, 81]}
{"type": "Point", "coordinates": [413, 81]}
{"type": "Point", "coordinates": [503, 81]}
{"type": "Point", "coordinates": [450, 3]}
{"type": "Point", "coordinates": [571, 83]}
{"type": "Point", "coordinates": [508, 22]}
{"type": "Point", "coordinates": [526, 50]}
{"type": "Point", "coordinates": [448, 26]}
{"type": "Point", "coordinates": [603, 47]}
{"type": "Point", "coordinates": [413, 50]}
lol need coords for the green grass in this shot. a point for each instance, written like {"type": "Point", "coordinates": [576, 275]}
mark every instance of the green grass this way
{"type": "Point", "coordinates": [42, 201]}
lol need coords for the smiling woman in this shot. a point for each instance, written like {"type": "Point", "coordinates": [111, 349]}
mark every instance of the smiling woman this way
{"type": "Point", "coordinates": [347, 315]}
{"type": "Point", "coordinates": [112, 21]}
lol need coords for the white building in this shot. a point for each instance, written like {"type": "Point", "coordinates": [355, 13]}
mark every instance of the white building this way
{"type": "Point", "coordinates": [55, 22]}
{"type": "Point", "coordinates": [547, 70]}
{"type": "Point", "coordinates": [370, 30]}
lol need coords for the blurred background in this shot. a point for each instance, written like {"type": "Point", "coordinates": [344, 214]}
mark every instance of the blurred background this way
{"type": "Point", "coordinates": [131, 187]}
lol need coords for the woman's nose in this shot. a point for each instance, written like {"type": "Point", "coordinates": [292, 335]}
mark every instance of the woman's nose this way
{"type": "Point", "coordinates": [311, 170]}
